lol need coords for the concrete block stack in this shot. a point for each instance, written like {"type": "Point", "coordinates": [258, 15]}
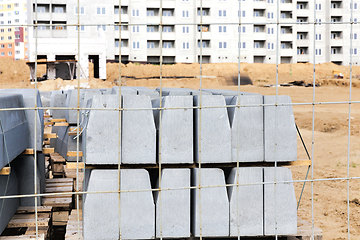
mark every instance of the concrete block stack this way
{"type": "Point", "coordinates": [216, 134]}
{"type": "Point", "coordinates": [20, 129]}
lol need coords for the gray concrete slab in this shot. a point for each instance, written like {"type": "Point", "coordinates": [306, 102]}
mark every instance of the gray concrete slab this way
{"type": "Point", "coordinates": [226, 92]}
{"type": "Point", "coordinates": [138, 131]}
{"type": "Point", "coordinates": [8, 207]}
{"type": "Point", "coordinates": [58, 99]}
{"type": "Point", "coordinates": [14, 129]}
{"type": "Point", "coordinates": [175, 91]}
{"type": "Point", "coordinates": [246, 202]}
{"type": "Point", "coordinates": [30, 96]}
{"type": "Point", "coordinates": [101, 137]}
{"type": "Point", "coordinates": [215, 135]}
{"type": "Point", "coordinates": [137, 215]}
{"type": "Point", "coordinates": [212, 204]}
{"type": "Point", "coordinates": [247, 129]}
{"type": "Point", "coordinates": [173, 207]}
{"type": "Point", "coordinates": [125, 90]}
{"type": "Point", "coordinates": [24, 166]}
{"type": "Point", "coordinates": [282, 219]}
{"type": "Point", "coordinates": [45, 97]}
{"type": "Point", "coordinates": [280, 131]}
{"type": "Point", "coordinates": [176, 135]}
{"type": "Point", "coordinates": [147, 91]}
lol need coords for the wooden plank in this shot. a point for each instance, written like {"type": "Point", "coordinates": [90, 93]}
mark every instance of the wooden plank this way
{"type": "Point", "coordinates": [24, 237]}
{"type": "Point", "coordinates": [30, 151]}
{"type": "Point", "coordinates": [41, 230]}
{"type": "Point", "coordinates": [74, 165]}
{"type": "Point", "coordinates": [64, 184]}
{"type": "Point", "coordinates": [40, 209]}
{"type": "Point", "coordinates": [31, 215]}
{"type": "Point", "coordinates": [48, 150]}
{"type": "Point", "coordinates": [58, 189]}
{"type": "Point", "coordinates": [58, 120]}
{"type": "Point", "coordinates": [47, 142]}
{"type": "Point", "coordinates": [57, 202]}
{"type": "Point", "coordinates": [61, 124]}
{"type": "Point", "coordinates": [16, 223]}
{"type": "Point", "coordinates": [59, 180]}
{"type": "Point", "coordinates": [48, 123]}
{"type": "Point", "coordinates": [60, 218]}
{"type": "Point", "coordinates": [74, 154]}
{"type": "Point", "coordinates": [57, 168]}
{"type": "Point", "coordinates": [5, 171]}
{"type": "Point", "coordinates": [50, 135]}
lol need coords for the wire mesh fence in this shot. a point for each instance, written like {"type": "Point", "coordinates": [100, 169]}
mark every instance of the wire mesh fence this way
{"type": "Point", "coordinates": [300, 181]}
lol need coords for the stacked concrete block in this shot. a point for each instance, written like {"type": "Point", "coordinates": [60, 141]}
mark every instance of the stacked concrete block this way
{"type": "Point", "coordinates": [124, 90]}
{"type": "Point", "coordinates": [147, 91]}
{"type": "Point", "coordinates": [101, 138]}
{"type": "Point", "coordinates": [138, 134]}
{"type": "Point", "coordinates": [8, 207]}
{"type": "Point", "coordinates": [30, 98]}
{"type": "Point", "coordinates": [246, 202]}
{"type": "Point", "coordinates": [24, 166]}
{"type": "Point", "coordinates": [210, 216]}
{"type": "Point", "coordinates": [58, 99]}
{"type": "Point", "coordinates": [176, 134]}
{"type": "Point", "coordinates": [174, 91]}
{"type": "Point", "coordinates": [173, 206]}
{"type": "Point", "coordinates": [45, 97]}
{"type": "Point", "coordinates": [14, 131]}
{"type": "Point", "coordinates": [247, 129]}
{"type": "Point", "coordinates": [280, 214]}
{"type": "Point", "coordinates": [212, 130]}
{"type": "Point", "coordinates": [136, 218]}
{"type": "Point", "coordinates": [280, 135]}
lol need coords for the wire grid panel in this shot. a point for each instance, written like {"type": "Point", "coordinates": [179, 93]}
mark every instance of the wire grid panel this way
{"type": "Point", "coordinates": [278, 23]}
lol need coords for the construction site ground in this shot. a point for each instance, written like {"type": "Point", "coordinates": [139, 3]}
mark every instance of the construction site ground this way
{"type": "Point", "coordinates": [331, 121]}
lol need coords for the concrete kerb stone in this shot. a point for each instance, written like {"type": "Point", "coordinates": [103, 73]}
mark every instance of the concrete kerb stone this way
{"type": "Point", "coordinates": [14, 128]}
{"type": "Point", "coordinates": [284, 195]}
{"type": "Point", "coordinates": [24, 169]}
{"type": "Point", "coordinates": [247, 129]}
{"type": "Point", "coordinates": [246, 202]}
{"type": "Point", "coordinates": [101, 136]}
{"type": "Point", "coordinates": [137, 208]}
{"type": "Point", "coordinates": [138, 131]}
{"type": "Point", "coordinates": [214, 206]}
{"type": "Point", "coordinates": [8, 207]}
{"type": "Point", "coordinates": [177, 129]}
{"type": "Point", "coordinates": [281, 140]}
{"type": "Point", "coordinates": [58, 99]}
{"type": "Point", "coordinates": [29, 98]}
{"type": "Point", "coordinates": [173, 210]}
{"type": "Point", "coordinates": [215, 130]}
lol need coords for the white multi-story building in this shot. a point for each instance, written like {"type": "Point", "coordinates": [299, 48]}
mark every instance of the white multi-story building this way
{"type": "Point", "coordinates": [225, 28]}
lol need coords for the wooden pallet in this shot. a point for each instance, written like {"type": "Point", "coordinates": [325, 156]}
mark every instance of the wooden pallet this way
{"type": "Point", "coordinates": [59, 185]}
{"type": "Point", "coordinates": [57, 163]}
{"type": "Point", "coordinates": [23, 224]}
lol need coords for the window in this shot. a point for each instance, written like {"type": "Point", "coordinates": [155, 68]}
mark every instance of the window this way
{"type": "Point", "coordinates": [9, 45]}
{"type": "Point", "coordinates": [185, 29]}
{"type": "Point", "coordinates": [222, 28]}
{"type": "Point", "coordinates": [2, 54]}
{"type": "Point", "coordinates": [150, 29]}
{"type": "Point", "coordinates": [150, 12]}
{"type": "Point", "coordinates": [10, 53]}
{"type": "Point", "coordinates": [136, 45]}
{"type": "Point", "coordinates": [2, 45]}
{"type": "Point", "coordinates": [169, 13]}
{"type": "Point", "coordinates": [167, 44]}
{"type": "Point", "coordinates": [103, 27]}
{"type": "Point", "coordinates": [167, 29]}
{"type": "Point", "coordinates": [135, 29]}
{"type": "Point", "coordinates": [222, 13]}
{"type": "Point", "coordinates": [82, 10]}
{"type": "Point", "coordinates": [150, 45]}
{"type": "Point", "coordinates": [185, 13]}
{"type": "Point", "coordinates": [82, 28]}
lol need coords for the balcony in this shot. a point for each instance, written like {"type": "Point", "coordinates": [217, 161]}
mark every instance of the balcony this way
{"type": "Point", "coordinates": [286, 7]}
{"type": "Point", "coordinates": [339, 57]}
{"type": "Point", "coordinates": [260, 4]}
{"type": "Point", "coordinates": [336, 42]}
{"type": "Point", "coordinates": [259, 36]}
{"type": "Point", "coordinates": [303, 58]}
{"type": "Point", "coordinates": [287, 52]}
{"type": "Point", "coordinates": [286, 37]}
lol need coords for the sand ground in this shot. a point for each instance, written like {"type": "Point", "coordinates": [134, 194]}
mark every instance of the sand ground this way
{"type": "Point", "coordinates": [331, 122]}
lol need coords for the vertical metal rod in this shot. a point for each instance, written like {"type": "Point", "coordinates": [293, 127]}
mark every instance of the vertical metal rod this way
{"type": "Point", "coordinates": [78, 118]}
{"type": "Point", "coordinates": [313, 128]}
{"type": "Point", "coordinates": [120, 126]}
{"type": "Point", "coordinates": [349, 118]}
{"type": "Point", "coordinates": [160, 118]}
{"type": "Point", "coordinates": [35, 126]}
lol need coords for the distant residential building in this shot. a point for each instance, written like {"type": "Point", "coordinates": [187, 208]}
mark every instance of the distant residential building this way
{"type": "Point", "coordinates": [222, 28]}
{"type": "Point", "coordinates": [13, 40]}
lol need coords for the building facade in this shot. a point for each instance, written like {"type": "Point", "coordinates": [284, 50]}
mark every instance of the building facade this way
{"type": "Point", "coordinates": [13, 39]}
{"type": "Point", "coordinates": [226, 29]}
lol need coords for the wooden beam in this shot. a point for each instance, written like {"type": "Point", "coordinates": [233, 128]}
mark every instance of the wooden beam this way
{"type": "Point", "coordinates": [61, 124]}
{"type": "Point", "coordinates": [5, 171]}
{"type": "Point", "coordinates": [50, 135]}
{"type": "Point", "coordinates": [73, 165]}
{"type": "Point", "coordinates": [74, 154]}
{"type": "Point", "coordinates": [48, 123]}
{"type": "Point", "coordinates": [30, 151]}
{"type": "Point", "coordinates": [58, 120]}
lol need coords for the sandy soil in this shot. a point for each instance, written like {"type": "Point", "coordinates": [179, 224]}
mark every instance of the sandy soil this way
{"type": "Point", "coordinates": [331, 122]}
